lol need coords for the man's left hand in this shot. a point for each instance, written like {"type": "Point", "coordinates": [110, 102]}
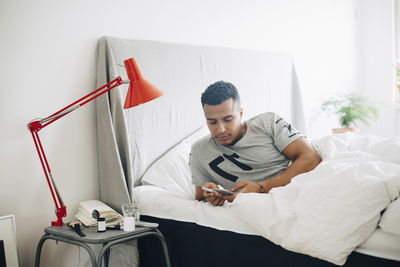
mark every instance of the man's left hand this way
{"type": "Point", "coordinates": [244, 187]}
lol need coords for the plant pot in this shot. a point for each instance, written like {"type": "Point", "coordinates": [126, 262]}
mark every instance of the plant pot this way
{"type": "Point", "coordinates": [342, 130]}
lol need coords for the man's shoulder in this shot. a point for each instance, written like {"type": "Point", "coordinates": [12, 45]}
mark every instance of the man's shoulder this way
{"type": "Point", "coordinates": [200, 144]}
{"type": "Point", "coordinates": [263, 117]}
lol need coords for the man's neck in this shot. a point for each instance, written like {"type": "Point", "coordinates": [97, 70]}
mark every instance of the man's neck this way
{"type": "Point", "coordinates": [243, 130]}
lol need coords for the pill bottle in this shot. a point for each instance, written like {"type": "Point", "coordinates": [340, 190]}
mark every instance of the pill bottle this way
{"type": "Point", "coordinates": [101, 224]}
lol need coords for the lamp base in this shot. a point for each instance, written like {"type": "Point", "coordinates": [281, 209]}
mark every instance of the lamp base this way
{"type": "Point", "coordinates": [62, 212]}
{"type": "Point", "coordinates": [57, 223]}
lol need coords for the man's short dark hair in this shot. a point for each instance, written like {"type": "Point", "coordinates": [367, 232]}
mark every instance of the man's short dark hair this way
{"type": "Point", "coordinates": [218, 92]}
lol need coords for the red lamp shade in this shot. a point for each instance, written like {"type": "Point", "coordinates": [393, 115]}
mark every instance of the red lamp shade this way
{"type": "Point", "coordinates": [140, 91]}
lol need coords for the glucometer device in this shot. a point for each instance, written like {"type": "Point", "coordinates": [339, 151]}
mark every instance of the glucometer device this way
{"type": "Point", "coordinates": [222, 191]}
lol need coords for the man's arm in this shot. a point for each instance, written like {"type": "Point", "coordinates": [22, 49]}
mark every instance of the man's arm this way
{"type": "Point", "coordinates": [304, 158]}
{"type": "Point", "coordinates": [199, 193]}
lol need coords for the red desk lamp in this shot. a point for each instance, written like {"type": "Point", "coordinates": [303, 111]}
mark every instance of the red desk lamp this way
{"type": "Point", "coordinates": [140, 91]}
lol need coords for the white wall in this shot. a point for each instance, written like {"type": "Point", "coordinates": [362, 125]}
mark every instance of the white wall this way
{"type": "Point", "coordinates": [376, 57]}
{"type": "Point", "coordinates": [47, 53]}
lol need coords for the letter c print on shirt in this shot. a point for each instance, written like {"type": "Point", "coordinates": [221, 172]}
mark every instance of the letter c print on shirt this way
{"type": "Point", "coordinates": [233, 158]}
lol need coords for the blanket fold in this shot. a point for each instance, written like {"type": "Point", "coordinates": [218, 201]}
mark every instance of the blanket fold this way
{"type": "Point", "coordinates": [328, 212]}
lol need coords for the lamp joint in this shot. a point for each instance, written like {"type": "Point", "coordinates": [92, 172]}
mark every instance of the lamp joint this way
{"type": "Point", "coordinates": [35, 125]}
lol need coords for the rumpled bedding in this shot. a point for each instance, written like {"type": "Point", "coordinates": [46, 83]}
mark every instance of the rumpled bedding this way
{"type": "Point", "coordinates": [328, 212]}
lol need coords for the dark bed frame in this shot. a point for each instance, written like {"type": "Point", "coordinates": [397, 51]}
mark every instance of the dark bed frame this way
{"type": "Point", "coordinates": [192, 245]}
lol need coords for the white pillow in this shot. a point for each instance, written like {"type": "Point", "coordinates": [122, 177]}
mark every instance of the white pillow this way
{"type": "Point", "coordinates": [390, 220]}
{"type": "Point", "coordinates": [172, 171]}
{"type": "Point", "coordinates": [387, 148]}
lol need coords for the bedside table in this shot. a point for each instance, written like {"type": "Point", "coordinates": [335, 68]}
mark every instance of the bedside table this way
{"type": "Point", "coordinates": [108, 239]}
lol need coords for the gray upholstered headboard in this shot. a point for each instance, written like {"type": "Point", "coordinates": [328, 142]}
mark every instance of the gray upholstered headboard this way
{"type": "Point", "coordinates": [130, 140]}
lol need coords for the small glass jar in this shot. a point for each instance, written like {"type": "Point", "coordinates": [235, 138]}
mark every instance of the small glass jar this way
{"type": "Point", "coordinates": [101, 224]}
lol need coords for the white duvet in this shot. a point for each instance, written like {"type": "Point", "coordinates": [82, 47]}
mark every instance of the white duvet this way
{"type": "Point", "coordinates": [325, 213]}
{"type": "Point", "coordinates": [328, 212]}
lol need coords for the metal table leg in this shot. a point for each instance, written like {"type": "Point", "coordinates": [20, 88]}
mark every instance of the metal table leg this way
{"type": "Point", "coordinates": [59, 238]}
{"type": "Point", "coordinates": [122, 240]}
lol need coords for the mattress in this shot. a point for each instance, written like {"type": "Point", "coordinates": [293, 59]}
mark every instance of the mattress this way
{"type": "Point", "coordinates": [158, 202]}
{"type": "Point", "coordinates": [381, 245]}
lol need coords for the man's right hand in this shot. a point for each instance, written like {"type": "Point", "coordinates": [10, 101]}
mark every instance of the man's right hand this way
{"type": "Point", "coordinates": [215, 199]}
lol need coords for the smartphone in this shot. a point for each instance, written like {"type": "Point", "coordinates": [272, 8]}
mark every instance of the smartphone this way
{"type": "Point", "coordinates": [209, 190]}
{"type": "Point", "coordinates": [223, 192]}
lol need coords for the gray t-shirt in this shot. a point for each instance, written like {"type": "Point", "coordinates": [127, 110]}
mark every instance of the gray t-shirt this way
{"type": "Point", "coordinates": [255, 157]}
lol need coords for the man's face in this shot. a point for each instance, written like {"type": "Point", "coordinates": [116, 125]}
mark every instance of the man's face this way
{"type": "Point", "coordinates": [224, 121]}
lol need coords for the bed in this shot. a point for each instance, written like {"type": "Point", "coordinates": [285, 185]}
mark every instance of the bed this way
{"type": "Point", "coordinates": [346, 212]}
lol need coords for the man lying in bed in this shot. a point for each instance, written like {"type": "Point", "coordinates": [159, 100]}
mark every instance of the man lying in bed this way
{"type": "Point", "coordinates": [250, 156]}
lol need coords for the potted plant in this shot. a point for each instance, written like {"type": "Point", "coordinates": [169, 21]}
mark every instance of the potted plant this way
{"type": "Point", "coordinates": [351, 109]}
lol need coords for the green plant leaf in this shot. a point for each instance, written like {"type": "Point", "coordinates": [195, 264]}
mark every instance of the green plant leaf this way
{"type": "Point", "coordinates": [351, 109]}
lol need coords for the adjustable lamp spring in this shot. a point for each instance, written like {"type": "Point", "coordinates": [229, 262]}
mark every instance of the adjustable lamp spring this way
{"type": "Point", "coordinates": [140, 91]}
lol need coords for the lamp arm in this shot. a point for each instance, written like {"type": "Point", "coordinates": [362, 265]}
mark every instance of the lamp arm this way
{"type": "Point", "coordinates": [36, 125]}
{"type": "Point", "coordinates": [82, 101]}
{"type": "Point", "coordinates": [61, 209]}
{"type": "Point", "coordinates": [62, 113]}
